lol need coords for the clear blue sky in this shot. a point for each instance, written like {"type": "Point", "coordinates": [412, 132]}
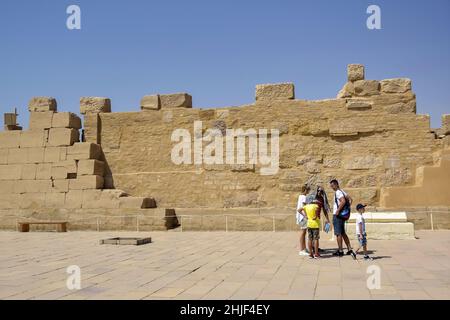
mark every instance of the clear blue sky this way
{"type": "Point", "coordinates": [217, 50]}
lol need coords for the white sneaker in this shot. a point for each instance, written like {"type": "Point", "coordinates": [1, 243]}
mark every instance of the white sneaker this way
{"type": "Point", "coordinates": [303, 253]}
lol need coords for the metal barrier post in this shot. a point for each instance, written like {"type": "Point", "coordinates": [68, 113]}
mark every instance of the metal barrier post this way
{"type": "Point", "coordinates": [98, 225]}
{"type": "Point", "coordinates": [273, 223]}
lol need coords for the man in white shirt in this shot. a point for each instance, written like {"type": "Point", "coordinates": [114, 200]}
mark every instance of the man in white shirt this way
{"type": "Point", "coordinates": [341, 199]}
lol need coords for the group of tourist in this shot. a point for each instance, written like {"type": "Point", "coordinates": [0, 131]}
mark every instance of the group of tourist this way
{"type": "Point", "coordinates": [310, 205]}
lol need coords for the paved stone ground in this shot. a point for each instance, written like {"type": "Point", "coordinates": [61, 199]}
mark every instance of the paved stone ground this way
{"type": "Point", "coordinates": [217, 265]}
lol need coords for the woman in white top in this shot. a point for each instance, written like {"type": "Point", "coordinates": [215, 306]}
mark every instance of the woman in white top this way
{"type": "Point", "coordinates": [301, 219]}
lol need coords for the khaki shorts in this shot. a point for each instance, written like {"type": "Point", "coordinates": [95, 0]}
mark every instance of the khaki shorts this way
{"type": "Point", "coordinates": [313, 234]}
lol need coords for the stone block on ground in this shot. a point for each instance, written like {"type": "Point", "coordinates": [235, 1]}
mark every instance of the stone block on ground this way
{"type": "Point", "coordinates": [41, 120]}
{"type": "Point", "coordinates": [84, 151]}
{"type": "Point", "coordinates": [42, 104]}
{"type": "Point", "coordinates": [86, 182]}
{"type": "Point", "coordinates": [74, 199]}
{"type": "Point", "coordinates": [93, 199]}
{"type": "Point", "coordinates": [63, 137]}
{"type": "Point", "coordinates": [152, 102]}
{"type": "Point", "coordinates": [276, 91]}
{"type": "Point", "coordinates": [176, 100]}
{"type": "Point", "coordinates": [91, 166]}
{"type": "Point", "coordinates": [355, 72]}
{"type": "Point", "coordinates": [94, 105]}
{"type": "Point", "coordinates": [66, 120]}
{"type": "Point", "coordinates": [397, 85]}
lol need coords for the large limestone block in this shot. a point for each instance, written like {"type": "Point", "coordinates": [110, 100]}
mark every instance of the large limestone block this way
{"type": "Point", "coordinates": [357, 104]}
{"type": "Point", "coordinates": [63, 137]}
{"type": "Point", "coordinates": [74, 199]}
{"type": "Point", "coordinates": [44, 171]}
{"type": "Point", "coordinates": [33, 186]}
{"type": "Point", "coordinates": [42, 104]}
{"type": "Point", "coordinates": [446, 124]}
{"type": "Point", "coordinates": [83, 151]}
{"type": "Point", "coordinates": [92, 128]}
{"type": "Point", "coordinates": [66, 120]}
{"type": "Point", "coordinates": [176, 100]}
{"type": "Point", "coordinates": [276, 91]}
{"type": "Point", "coordinates": [397, 85]}
{"type": "Point", "coordinates": [64, 169]}
{"type": "Point", "coordinates": [136, 202]}
{"type": "Point", "coordinates": [94, 199]}
{"type": "Point", "coordinates": [7, 186]}
{"type": "Point", "coordinates": [33, 138]}
{"type": "Point", "coordinates": [35, 155]}
{"type": "Point", "coordinates": [60, 185]}
{"type": "Point", "coordinates": [16, 156]}
{"type": "Point", "coordinates": [55, 199]}
{"type": "Point", "coordinates": [401, 107]}
{"type": "Point", "coordinates": [355, 72]}
{"type": "Point", "coordinates": [347, 91]}
{"type": "Point", "coordinates": [9, 139]}
{"type": "Point", "coordinates": [10, 171]}
{"type": "Point", "coordinates": [366, 87]}
{"type": "Point", "coordinates": [91, 166]}
{"type": "Point", "coordinates": [34, 200]}
{"type": "Point", "coordinates": [94, 105]}
{"type": "Point", "coordinates": [86, 182]}
{"type": "Point", "coordinates": [54, 154]}
{"type": "Point", "coordinates": [29, 171]}
{"type": "Point", "coordinates": [10, 201]}
{"type": "Point", "coordinates": [41, 120]}
{"type": "Point", "coordinates": [152, 102]}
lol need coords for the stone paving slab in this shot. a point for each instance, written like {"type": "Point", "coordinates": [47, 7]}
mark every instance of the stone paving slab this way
{"type": "Point", "coordinates": [218, 265]}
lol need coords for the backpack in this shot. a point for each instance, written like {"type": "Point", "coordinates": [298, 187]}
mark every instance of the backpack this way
{"type": "Point", "coordinates": [345, 212]}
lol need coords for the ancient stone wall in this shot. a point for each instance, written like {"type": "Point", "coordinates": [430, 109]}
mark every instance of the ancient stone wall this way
{"type": "Point", "coordinates": [124, 164]}
{"type": "Point", "coordinates": [368, 137]}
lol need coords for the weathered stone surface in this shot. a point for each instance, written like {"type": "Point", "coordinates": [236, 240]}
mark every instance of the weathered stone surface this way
{"type": "Point", "coordinates": [52, 154]}
{"type": "Point", "coordinates": [92, 128]}
{"type": "Point", "coordinates": [83, 151]}
{"type": "Point", "coordinates": [44, 171]}
{"type": "Point", "coordinates": [398, 85]}
{"type": "Point", "coordinates": [355, 104]}
{"type": "Point", "coordinates": [276, 91]}
{"type": "Point", "coordinates": [151, 102]}
{"type": "Point", "coordinates": [136, 202]}
{"type": "Point", "coordinates": [66, 120]}
{"type": "Point", "coordinates": [86, 182]}
{"type": "Point", "coordinates": [41, 120]}
{"type": "Point", "coordinates": [401, 107]}
{"type": "Point", "coordinates": [62, 137]}
{"type": "Point", "coordinates": [94, 105]}
{"type": "Point", "coordinates": [16, 156]}
{"type": "Point", "coordinates": [347, 91]}
{"type": "Point", "coordinates": [362, 162]}
{"type": "Point", "coordinates": [9, 139]}
{"type": "Point", "coordinates": [446, 124]}
{"type": "Point", "coordinates": [28, 172]}
{"type": "Point", "coordinates": [355, 72]}
{"type": "Point", "coordinates": [42, 104]}
{"type": "Point", "coordinates": [33, 138]}
{"type": "Point", "coordinates": [90, 167]}
{"type": "Point", "coordinates": [10, 172]}
{"type": "Point", "coordinates": [35, 155]}
{"type": "Point", "coordinates": [366, 87]}
{"type": "Point", "coordinates": [176, 100]}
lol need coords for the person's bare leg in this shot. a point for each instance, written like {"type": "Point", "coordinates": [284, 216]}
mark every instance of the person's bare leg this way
{"type": "Point", "coordinates": [302, 239]}
{"type": "Point", "coordinates": [347, 242]}
{"type": "Point", "coordinates": [316, 247]}
{"type": "Point", "coordinates": [339, 242]}
{"type": "Point", "coordinates": [310, 245]}
{"type": "Point", "coordinates": [365, 250]}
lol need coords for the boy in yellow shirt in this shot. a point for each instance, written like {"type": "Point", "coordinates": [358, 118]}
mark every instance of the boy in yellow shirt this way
{"type": "Point", "coordinates": [312, 211]}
